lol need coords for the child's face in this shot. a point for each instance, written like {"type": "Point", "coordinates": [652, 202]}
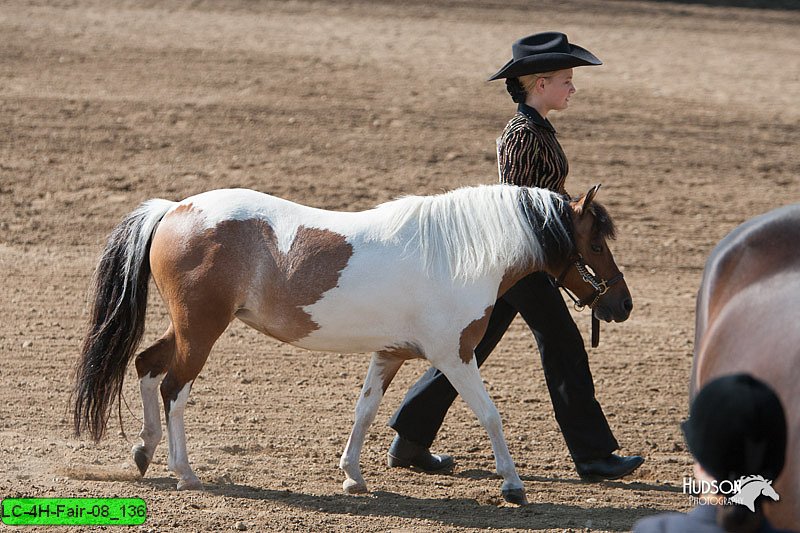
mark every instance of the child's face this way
{"type": "Point", "coordinates": [557, 90]}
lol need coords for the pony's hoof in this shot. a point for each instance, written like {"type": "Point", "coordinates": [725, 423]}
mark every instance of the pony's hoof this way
{"type": "Point", "coordinates": [351, 486]}
{"type": "Point", "coordinates": [141, 458]}
{"type": "Point", "coordinates": [190, 484]}
{"type": "Point", "coordinates": [515, 496]}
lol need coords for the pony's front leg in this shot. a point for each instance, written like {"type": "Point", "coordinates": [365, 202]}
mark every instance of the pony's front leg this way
{"type": "Point", "coordinates": [466, 379]}
{"type": "Point", "coordinates": [382, 368]}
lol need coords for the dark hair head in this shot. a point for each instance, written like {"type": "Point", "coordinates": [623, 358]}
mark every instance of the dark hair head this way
{"type": "Point", "coordinates": [736, 428]}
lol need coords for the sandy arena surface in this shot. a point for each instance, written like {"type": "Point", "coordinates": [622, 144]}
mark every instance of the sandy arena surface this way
{"type": "Point", "coordinates": [691, 125]}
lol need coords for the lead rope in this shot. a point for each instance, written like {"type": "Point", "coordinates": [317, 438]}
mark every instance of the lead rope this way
{"type": "Point", "coordinates": [595, 322]}
{"type": "Point", "coordinates": [601, 288]}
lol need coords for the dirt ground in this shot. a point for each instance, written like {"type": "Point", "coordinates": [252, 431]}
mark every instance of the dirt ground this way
{"type": "Point", "coordinates": [691, 125]}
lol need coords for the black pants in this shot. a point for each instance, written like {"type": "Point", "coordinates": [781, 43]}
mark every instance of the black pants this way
{"type": "Point", "coordinates": [566, 370]}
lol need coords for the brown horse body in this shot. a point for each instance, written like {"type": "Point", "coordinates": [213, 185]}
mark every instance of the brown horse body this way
{"type": "Point", "coordinates": [748, 320]}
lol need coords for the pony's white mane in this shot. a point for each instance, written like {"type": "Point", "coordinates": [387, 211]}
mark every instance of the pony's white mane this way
{"type": "Point", "coordinates": [469, 232]}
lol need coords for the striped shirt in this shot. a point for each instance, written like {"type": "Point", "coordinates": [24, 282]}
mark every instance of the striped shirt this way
{"type": "Point", "coordinates": [528, 153]}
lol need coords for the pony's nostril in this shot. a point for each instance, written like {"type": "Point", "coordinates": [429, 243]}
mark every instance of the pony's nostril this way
{"type": "Point", "coordinates": [627, 305]}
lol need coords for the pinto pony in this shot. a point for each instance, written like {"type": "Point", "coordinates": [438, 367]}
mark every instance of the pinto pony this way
{"type": "Point", "coordinates": [413, 278]}
{"type": "Point", "coordinates": [748, 320]}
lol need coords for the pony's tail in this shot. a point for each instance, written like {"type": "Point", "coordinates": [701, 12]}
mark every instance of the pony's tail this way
{"type": "Point", "coordinates": [116, 322]}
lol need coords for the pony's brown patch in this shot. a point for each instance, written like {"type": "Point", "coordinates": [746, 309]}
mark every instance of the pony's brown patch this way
{"type": "Point", "coordinates": [182, 208]}
{"type": "Point", "coordinates": [209, 275]}
{"type": "Point", "coordinates": [405, 352]}
{"type": "Point", "coordinates": [398, 353]}
{"type": "Point", "coordinates": [298, 278]}
{"type": "Point", "coordinates": [157, 358]}
{"type": "Point", "coordinates": [201, 277]}
{"type": "Point", "coordinates": [472, 335]}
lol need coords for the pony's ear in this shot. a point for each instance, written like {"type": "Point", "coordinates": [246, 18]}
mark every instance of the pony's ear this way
{"type": "Point", "coordinates": [586, 200]}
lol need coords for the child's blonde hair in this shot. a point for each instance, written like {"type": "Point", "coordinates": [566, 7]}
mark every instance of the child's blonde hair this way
{"type": "Point", "coordinates": [528, 81]}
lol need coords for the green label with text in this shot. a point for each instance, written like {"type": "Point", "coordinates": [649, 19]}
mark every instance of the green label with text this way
{"type": "Point", "coordinates": [73, 511]}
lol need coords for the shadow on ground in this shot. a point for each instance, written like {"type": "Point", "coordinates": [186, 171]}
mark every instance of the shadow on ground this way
{"type": "Point", "coordinates": [459, 512]}
{"type": "Point", "coordinates": [630, 485]}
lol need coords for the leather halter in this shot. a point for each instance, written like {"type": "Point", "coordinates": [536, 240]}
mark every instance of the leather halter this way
{"type": "Point", "coordinates": [599, 285]}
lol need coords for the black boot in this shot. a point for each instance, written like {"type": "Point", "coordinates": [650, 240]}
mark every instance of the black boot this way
{"type": "Point", "coordinates": [404, 453]}
{"type": "Point", "coordinates": [611, 467]}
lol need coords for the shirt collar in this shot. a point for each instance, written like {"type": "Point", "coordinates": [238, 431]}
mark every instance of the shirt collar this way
{"type": "Point", "coordinates": [535, 117]}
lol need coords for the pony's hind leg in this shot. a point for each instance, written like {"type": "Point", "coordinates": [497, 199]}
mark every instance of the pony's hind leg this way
{"type": "Point", "coordinates": [175, 394]}
{"type": "Point", "coordinates": [151, 366]}
{"type": "Point", "coordinates": [204, 276]}
{"type": "Point", "coordinates": [193, 344]}
{"type": "Point", "coordinates": [382, 368]}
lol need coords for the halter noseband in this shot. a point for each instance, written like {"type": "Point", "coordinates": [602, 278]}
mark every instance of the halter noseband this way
{"type": "Point", "coordinates": [599, 285]}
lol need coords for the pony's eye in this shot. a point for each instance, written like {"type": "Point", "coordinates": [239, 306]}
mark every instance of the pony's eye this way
{"type": "Point", "coordinates": [596, 248]}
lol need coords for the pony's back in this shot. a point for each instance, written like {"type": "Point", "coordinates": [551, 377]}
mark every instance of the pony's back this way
{"type": "Point", "coordinates": [464, 234]}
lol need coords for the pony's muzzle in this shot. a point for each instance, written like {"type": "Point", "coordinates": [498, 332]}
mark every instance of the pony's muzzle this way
{"type": "Point", "coordinates": [627, 306]}
{"type": "Point", "coordinates": [616, 312]}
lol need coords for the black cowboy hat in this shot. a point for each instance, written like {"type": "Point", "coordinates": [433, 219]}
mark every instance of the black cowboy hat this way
{"type": "Point", "coordinates": [544, 52]}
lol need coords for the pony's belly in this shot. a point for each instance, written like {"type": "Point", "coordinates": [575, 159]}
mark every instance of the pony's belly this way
{"type": "Point", "coordinates": [324, 339]}
{"type": "Point", "coordinates": [350, 344]}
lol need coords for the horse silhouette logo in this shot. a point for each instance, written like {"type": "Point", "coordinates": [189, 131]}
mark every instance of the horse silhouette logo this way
{"type": "Point", "coordinates": [750, 488]}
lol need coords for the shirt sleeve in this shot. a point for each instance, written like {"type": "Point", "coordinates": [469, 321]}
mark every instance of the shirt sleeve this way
{"type": "Point", "coordinates": [516, 155]}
